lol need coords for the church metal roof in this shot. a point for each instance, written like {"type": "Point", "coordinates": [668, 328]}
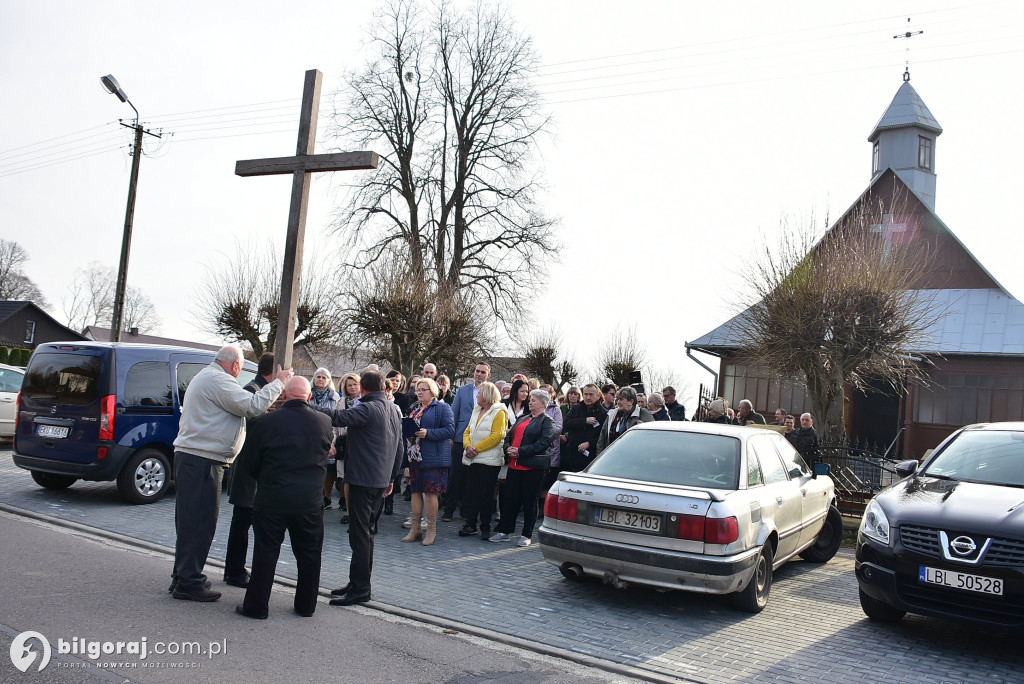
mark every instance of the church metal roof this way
{"type": "Point", "coordinates": [982, 321]}
{"type": "Point", "coordinates": [906, 109]}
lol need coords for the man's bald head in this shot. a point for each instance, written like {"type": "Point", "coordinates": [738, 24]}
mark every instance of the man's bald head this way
{"type": "Point", "coordinates": [297, 388]}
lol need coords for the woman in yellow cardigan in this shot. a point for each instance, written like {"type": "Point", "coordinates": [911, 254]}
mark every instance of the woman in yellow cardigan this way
{"type": "Point", "coordinates": [483, 459]}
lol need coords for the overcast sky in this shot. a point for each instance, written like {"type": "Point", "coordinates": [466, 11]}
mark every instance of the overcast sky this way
{"type": "Point", "coordinates": [683, 133]}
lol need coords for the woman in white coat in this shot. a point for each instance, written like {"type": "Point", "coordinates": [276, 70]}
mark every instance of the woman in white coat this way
{"type": "Point", "coordinates": [483, 458]}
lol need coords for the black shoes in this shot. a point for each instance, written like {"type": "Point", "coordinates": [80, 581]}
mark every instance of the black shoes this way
{"type": "Point", "coordinates": [302, 613]}
{"type": "Point", "coordinates": [389, 506]}
{"type": "Point", "coordinates": [203, 595]}
{"type": "Point", "coordinates": [240, 609]}
{"type": "Point", "coordinates": [344, 519]}
{"type": "Point", "coordinates": [174, 585]}
{"type": "Point", "coordinates": [468, 530]}
{"type": "Point", "coordinates": [351, 597]}
{"type": "Point", "coordinates": [237, 580]}
{"type": "Point", "coordinates": [342, 591]}
{"type": "Point", "coordinates": [327, 504]}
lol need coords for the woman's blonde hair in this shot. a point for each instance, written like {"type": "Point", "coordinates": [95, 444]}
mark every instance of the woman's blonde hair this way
{"type": "Point", "coordinates": [489, 391]}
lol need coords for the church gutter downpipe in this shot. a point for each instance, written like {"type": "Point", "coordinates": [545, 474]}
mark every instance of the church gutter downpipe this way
{"type": "Point", "coordinates": [700, 363]}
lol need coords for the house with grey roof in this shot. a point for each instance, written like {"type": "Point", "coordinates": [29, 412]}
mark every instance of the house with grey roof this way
{"type": "Point", "coordinates": [973, 354]}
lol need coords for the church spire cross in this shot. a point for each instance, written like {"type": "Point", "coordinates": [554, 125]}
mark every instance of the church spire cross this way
{"type": "Point", "coordinates": [908, 35]}
{"type": "Point", "coordinates": [301, 166]}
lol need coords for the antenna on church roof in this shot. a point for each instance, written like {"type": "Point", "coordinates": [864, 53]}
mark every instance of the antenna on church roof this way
{"type": "Point", "coordinates": [908, 34]}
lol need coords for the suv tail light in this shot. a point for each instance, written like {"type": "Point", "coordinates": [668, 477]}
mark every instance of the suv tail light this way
{"type": "Point", "coordinates": [721, 530]}
{"type": "Point", "coordinates": [17, 414]}
{"type": "Point", "coordinates": [560, 508]}
{"type": "Point", "coordinates": [107, 406]}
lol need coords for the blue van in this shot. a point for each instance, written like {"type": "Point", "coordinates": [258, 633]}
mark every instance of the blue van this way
{"type": "Point", "coordinates": [105, 411]}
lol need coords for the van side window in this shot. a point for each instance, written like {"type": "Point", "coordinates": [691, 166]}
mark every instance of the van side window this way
{"type": "Point", "coordinates": [187, 371]}
{"type": "Point", "coordinates": [148, 384]}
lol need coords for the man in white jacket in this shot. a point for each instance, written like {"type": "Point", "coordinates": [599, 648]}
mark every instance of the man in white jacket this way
{"type": "Point", "coordinates": [210, 435]}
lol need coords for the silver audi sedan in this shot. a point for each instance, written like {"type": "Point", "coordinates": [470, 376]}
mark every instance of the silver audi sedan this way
{"type": "Point", "coordinates": [700, 507]}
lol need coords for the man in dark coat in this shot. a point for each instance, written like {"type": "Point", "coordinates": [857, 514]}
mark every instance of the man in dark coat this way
{"type": "Point", "coordinates": [676, 411]}
{"type": "Point", "coordinates": [373, 457]}
{"type": "Point", "coordinates": [241, 493]}
{"type": "Point", "coordinates": [805, 439]}
{"type": "Point", "coordinates": [286, 453]}
{"type": "Point", "coordinates": [583, 427]}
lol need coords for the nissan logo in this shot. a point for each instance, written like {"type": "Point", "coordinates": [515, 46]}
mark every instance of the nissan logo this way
{"type": "Point", "coordinates": [627, 498]}
{"type": "Point", "coordinates": [963, 546]}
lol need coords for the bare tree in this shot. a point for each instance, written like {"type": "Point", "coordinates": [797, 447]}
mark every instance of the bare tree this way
{"type": "Point", "coordinates": [842, 311]}
{"type": "Point", "coordinates": [14, 284]}
{"type": "Point", "coordinates": [546, 359]}
{"type": "Point", "coordinates": [449, 103]}
{"type": "Point", "coordinates": [396, 318]}
{"type": "Point", "coordinates": [239, 300]}
{"type": "Point", "coordinates": [90, 301]}
{"type": "Point", "coordinates": [620, 354]}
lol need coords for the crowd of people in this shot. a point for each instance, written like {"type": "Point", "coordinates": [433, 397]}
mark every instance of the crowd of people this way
{"type": "Point", "coordinates": [487, 451]}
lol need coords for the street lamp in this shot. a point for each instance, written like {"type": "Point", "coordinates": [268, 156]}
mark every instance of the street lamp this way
{"type": "Point", "coordinates": [114, 88]}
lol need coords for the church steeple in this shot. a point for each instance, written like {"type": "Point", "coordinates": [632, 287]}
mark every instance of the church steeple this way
{"type": "Point", "coordinates": [904, 140]}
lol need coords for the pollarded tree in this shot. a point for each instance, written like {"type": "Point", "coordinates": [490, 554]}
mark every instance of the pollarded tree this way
{"type": "Point", "coordinates": [398, 319]}
{"type": "Point", "coordinates": [239, 300]}
{"type": "Point", "coordinates": [545, 358]}
{"type": "Point", "coordinates": [619, 355]}
{"type": "Point", "coordinates": [842, 311]}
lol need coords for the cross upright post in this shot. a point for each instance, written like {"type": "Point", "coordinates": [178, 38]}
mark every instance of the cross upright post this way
{"type": "Point", "coordinates": [301, 167]}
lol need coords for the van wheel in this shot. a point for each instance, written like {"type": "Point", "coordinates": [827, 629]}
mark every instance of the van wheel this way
{"type": "Point", "coordinates": [51, 481]}
{"type": "Point", "coordinates": [145, 477]}
{"type": "Point", "coordinates": [829, 539]}
{"type": "Point", "coordinates": [754, 597]}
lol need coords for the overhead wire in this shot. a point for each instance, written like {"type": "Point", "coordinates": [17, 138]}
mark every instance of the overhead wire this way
{"type": "Point", "coordinates": [251, 115]}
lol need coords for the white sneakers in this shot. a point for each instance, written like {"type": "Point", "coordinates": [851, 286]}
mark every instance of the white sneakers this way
{"type": "Point", "coordinates": [502, 537]}
{"type": "Point", "coordinates": [408, 523]}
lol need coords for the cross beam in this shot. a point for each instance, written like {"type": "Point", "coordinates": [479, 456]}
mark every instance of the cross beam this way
{"type": "Point", "coordinates": [300, 166]}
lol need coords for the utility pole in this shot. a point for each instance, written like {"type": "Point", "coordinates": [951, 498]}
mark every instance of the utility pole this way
{"type": "Point", "coordinates": [112, 86]}
{"type": "Point", "coordinates": [126, 239]}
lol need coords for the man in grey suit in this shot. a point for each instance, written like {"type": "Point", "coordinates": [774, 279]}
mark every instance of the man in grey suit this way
{"type": "Point", "coordinates": [372, 458]}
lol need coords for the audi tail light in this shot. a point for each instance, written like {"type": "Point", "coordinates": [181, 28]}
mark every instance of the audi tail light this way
{"type": "Point", "coordinates": [721, 530]}
{"type": "Point", "coordinates": [560, 508]}
{"type": "Point", "coordinates": [690, 527]}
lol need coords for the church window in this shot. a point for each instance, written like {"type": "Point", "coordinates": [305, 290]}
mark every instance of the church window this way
{"type": "Point", "coordinates": [924, 153]}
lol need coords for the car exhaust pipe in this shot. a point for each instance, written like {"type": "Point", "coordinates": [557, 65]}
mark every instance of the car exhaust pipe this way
{"type": "Point", "coordinates": [571, 570]}
{"type": "Point", "coordinates": [613, 579]}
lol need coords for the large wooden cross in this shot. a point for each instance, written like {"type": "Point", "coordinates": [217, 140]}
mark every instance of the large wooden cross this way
{"type": "Point", "coordinates": [301, 166]}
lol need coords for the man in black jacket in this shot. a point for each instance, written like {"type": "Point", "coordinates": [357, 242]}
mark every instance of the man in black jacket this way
{"type": "Point", "coordinates": [373, 457]}
{"type": "Point", "coordinates": [583, 427]}
{"type": "Point", "coordinates": [242, 492]}
{"type": "Point", "coordinates": [286, 453]}
{"type": "Point", "coordinates": [676, 411]}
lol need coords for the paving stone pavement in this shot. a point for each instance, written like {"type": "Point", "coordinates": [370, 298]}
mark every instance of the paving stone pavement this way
{"type": "Point", "coordinates": [812, 630]}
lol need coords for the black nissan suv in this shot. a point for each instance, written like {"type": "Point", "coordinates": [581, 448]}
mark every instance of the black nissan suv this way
{"type": "Point", "coordinates": [948, 540]}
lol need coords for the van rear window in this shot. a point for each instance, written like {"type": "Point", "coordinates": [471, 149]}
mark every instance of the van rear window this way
{"type": "Point", "coordinates": [63, 378]}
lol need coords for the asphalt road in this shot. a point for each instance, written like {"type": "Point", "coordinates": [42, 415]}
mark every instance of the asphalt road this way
{"type": "Point", "coordinates": [67, 585]}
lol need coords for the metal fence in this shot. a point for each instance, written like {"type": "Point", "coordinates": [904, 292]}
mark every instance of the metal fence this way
{"type": "Point", "coordinates": [859, 470]}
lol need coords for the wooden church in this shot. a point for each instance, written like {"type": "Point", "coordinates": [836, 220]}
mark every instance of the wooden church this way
{"type": "Point", "coordinates": [973, 355]}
